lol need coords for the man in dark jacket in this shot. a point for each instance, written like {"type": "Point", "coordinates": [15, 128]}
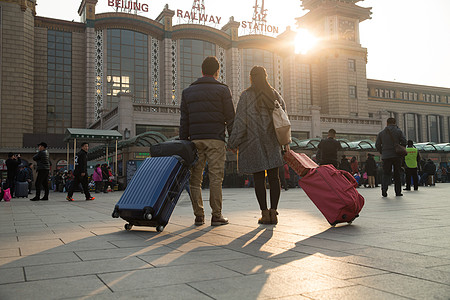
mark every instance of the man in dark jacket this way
{"type": "Point", "coordinates": [206, 110]}
{"type": "Point", "coordinates": [43, 167]}
{"type": "Point", "coordinates": [12, 164]}
{"type": "Point", "coordinates": [80, 174]}
{"type": "Point", "coordinates": [385, 144]}
{"type": "Point", "coordinates": [328, 148]}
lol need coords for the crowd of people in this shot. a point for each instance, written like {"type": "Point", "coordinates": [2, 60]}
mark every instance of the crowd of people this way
{"type": "Point", "coordinates": [207, 112]}
{"type": "Point", "coordinates": [19, 172]}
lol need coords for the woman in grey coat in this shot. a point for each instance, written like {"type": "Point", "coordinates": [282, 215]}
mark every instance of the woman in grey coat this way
{"type": "Point", "coordinates": [254, 136]}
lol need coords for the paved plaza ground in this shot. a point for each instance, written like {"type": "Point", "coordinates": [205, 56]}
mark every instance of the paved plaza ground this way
{"type": "Point", "coordinates": [399, 248]}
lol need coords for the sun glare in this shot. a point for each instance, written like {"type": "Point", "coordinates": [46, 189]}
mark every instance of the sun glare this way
{"type": "Point", "coordinates": [304, 41]}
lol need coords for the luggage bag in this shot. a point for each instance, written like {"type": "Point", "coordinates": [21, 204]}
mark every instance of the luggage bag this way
{"type": "Point", "coordinates": [153, 192]}
{"type": "Point", "coordinates": [334, 193]}
{"type": "Point", "coordinates": [299, 162]}
{"type": "Point", "coordinates": [185, 149]}
{"type": "Point", "coordinates": [21, 189]}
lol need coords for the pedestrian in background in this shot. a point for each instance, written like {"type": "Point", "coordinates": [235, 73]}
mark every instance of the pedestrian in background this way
{"type": "Point", "coordinates": [429, 169]}
{"type": "Point", "coordinates": [385, 144]}
{"type": "Point", "coordinates": [371, 170]}
{"type": "Point", "coordinates": [80, 173]}
{"type": "Point", "coordinates": [97, 177]}
{"type": "Point", "coordinates": [12, 164]}
{"type": "Point", "coordinates": [328, 149]}
{"type": "Point", "coordinates": [30, 177]}
{"type": "Point", "coordinates": [42, 159]}
{"type": "Point", "coordinates": [354, 165]}
{"type": "Point", "coordinates": [255, 139]}
{"type": "Point", "coordinates": [206, 111]}
{"type": "Point", "coordinates": [412, 160]}
{"type": "Point", "coordinates": [345, 164]}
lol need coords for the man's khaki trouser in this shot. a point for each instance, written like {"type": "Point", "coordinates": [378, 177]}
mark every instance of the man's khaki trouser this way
{"type": "Point", "coordinates": [213, 152]}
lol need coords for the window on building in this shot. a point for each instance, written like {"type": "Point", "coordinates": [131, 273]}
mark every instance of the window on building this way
{"type": "Point", "coordinates": [351, 65]}
{"type": "Point", "coordinates": [401, 95]}
{"type": "Point", "coordinates": [405, 95]}
{"type": "Point", "coordinates": [192, 54]}
{"type": "Point", "coordinates": [411, 127]}
{"type": "Point", "coordinates": [428, 98]}
{"type": "Point", "coordinates": [127, 69]}
{"type": "Point", "coordinates": [433, 99]}
{"type": "Point", "coordinates": [59, 81]}
{"type": "Point", "coordinates": [434, 128]}
{"type": "Point", "coordinates": [257, 57]}
{"type": "Point", "coordinates": [415, 96]}
{"type": "Point", "coordinates": [303, 86]}
{"type": "Point", "coordinates": [392, 94]}
{"type": "Point", "coordinates": [438, 98]}
{"type": "Point", "coordinates": [377, 93]}
{"type": "Point", "coordinates": [352, 91]}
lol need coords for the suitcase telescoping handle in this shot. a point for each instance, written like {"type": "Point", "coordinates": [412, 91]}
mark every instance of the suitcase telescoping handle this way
{"type": "Point", "coordinates": [349, 177]}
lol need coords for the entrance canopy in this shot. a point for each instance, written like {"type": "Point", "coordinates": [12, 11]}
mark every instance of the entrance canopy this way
{"type": "Point", "coordinates": [145, 139]}
{"type": "Point", "coordinates": [90, 135]}
{"type": "Point", "coordinates": [93, 135]}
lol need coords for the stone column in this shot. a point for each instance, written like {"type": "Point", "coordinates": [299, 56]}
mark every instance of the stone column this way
{"type": "Point", "coordinates": [234, 60]}
{"type": "Point", "coordinates": [316, 131]}
{"type": "Point", "coordinates": [87, 13]}
{"type": "Point", "coordinates": [17, 67]}
{"type": "Point", "coordinates": [168, 58]}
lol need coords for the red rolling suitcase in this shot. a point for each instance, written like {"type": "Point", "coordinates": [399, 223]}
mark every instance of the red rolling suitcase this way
{"type": "Point", "coordinates": [299, 162]}
{"type": "Point", "coordinates": [334, 193]}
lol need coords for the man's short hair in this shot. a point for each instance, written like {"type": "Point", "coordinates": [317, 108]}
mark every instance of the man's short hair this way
{"type": "Point", "coordinates": [332, 132]}
{"type": "Point", "coordinates": [391, 121]}
{"type": "Point", "coordinates": [10, 154]}
{"type": "Point", "coordinates": [410, 143]}
{"type": "Point", "coordinates": [210, 65]}
{"type": "Point", "coordinates": [85, 143]}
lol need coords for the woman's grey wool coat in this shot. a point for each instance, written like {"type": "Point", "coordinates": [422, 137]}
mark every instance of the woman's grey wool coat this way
{"type": "Point", "coordinates": [253, 133]}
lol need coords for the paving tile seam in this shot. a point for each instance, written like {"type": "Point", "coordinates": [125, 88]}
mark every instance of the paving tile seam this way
{"type": "Point", "coordinates": [95, 273]}
{"type": "Point", "coordinates": [106, 285]}
{"type": "Point", "coordinates": [401, 274]}
{"type": "Point", "coordinates": [356, 285]}
{"type": "Point", "coordinates": [200, 291]}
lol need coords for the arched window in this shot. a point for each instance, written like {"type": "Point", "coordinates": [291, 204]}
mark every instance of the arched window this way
{"type": "Point", "coordinates": [257, 57]}
{"type": "Point", "coordinates": [192, 54]}
{"type": "Point", "coordinates": [127, 69]}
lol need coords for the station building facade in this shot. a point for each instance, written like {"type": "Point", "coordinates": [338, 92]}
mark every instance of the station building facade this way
{"type": "Point", "coordinates": [126, 72]}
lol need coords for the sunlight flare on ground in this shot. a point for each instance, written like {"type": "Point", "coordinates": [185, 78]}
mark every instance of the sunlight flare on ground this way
{"type": "Point", "coordinates": [304, 41]}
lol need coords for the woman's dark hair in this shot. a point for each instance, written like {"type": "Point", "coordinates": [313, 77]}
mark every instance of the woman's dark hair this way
{"type": "Point", "coordinates": [264, 92]}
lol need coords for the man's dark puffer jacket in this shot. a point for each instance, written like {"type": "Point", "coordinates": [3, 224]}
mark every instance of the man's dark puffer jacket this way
{"type": "Point", "coordinates": [206, 108]}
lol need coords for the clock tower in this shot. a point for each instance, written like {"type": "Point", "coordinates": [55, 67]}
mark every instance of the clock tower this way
{"type": "Point", "coordinates": [340, 56]}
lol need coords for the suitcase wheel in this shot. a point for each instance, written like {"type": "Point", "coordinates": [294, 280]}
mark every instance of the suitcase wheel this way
{"type": "Point", "coordinates": [128, 226]}
{"type": "Point", "coordinates": [148, 216]}
{"type": "Point", "coordinates": [159, 228]}
{"type": "Point", "coordinates": [115, 214]}
{"type": "Point", "coordinates": [350, 223]}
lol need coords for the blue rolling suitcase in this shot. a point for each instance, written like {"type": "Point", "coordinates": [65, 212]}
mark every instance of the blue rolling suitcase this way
{"type": "Point", "coordinates": [153, 192]}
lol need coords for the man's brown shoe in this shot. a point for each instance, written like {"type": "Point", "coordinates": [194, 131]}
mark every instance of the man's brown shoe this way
{"type": "Point", "coordinates": [217, 221]}
{"type": "Point", "coordinates": [199, 220]}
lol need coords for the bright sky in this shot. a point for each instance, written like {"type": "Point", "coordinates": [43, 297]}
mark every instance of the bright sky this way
{"type": "Point", "coordinates": [407, 40]}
